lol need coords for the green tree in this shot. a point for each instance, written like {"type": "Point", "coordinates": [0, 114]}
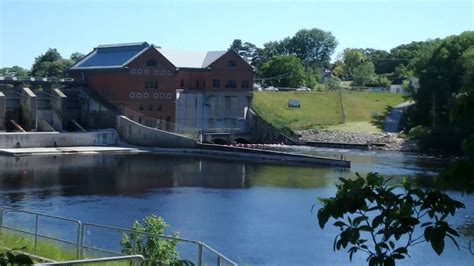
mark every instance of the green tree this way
{"type": "Point", "coordinates": [380, 219]}
{"type": "Point", "coordinates": [364, 73]}
{"type": "Point", "coordinates": [313, 47]}
{"type": "Point", "coordinates": [310, 78]}
{"type": "Point", "coordinates": [382, 60]}
{"type": "Point", "coordinates": [15, 71]}
{"type": "Point", "coordinates": [50, 64]}
{"type": "Point", "coordinates": [284, 71]}
{"type": "Point", "coordinates": [248, 51]}
{"type": "Point", "coordinates": [154, 248]}
{"type": "Point", "coordinates": [352, 59]}
{"type": "Point", "coordinates": [445, 90]}
{"type": "Point", "coordinates": [76, 56]}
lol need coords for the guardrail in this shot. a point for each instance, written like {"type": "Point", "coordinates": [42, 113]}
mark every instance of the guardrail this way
{"type": "Point", "coordinates": [82, 240]}
{"type": "Point", "coordinates": [131, 258]}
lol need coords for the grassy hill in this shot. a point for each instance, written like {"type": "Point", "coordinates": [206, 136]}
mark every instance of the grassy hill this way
{"type": "Point", "coordinates": [323, 109]}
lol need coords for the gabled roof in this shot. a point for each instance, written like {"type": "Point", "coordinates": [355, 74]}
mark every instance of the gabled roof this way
{"type": "Point", "coordinates": [188, 59]}
{"type": "Point", "coordinates": [111, 56]}
{"type": "Point", "coordinates": [119, 55]}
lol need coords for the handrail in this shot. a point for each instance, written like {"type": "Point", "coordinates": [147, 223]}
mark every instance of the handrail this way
{"type": "Point", "coordinates": [80, 243]}
{"type": "Point", "coordinates": [140, 258]}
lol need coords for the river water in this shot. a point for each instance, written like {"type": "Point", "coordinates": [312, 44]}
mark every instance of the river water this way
{"type": "Point", "coordinates": [253, 212]}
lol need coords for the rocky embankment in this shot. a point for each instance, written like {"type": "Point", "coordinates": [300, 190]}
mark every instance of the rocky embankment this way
{"type": "Point", "coordinates": [382, 141]}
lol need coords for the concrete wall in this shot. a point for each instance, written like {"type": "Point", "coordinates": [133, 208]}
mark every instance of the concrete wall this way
{"type": "Point", "coordinates": [263, 132]}
{"type": "Point", "coordinates": [56, 139]}
{"type": "Point", "coordinates": [212, 111]}
{"type": "Point", "coordinates": [140, 135]}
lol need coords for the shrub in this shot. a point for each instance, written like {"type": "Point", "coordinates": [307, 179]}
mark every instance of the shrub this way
{"type": "Point", "coordinates": [375, 219]}
{"type": "Point", "coordinates": [152, 247]}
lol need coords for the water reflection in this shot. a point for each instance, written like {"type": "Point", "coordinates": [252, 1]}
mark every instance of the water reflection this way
{"type": "Point", "coordinates": [46, 176]}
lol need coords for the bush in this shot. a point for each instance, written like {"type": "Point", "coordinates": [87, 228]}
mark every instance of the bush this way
{"type": "Point", "coordinates": [380, 220]}
{"type": "Point", "coordinates": [152, 247]}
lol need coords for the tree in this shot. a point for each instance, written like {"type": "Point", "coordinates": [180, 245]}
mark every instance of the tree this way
{"type": "Point", "coordinates": [382, 60]}
{"type": "Point", "coordinates": [352, 59]}
{"type": "Point", "coordinates": [154, 248]}
{"type": "Point", "coordinates": [445, 88]}
{"type": "Point", "coordinates": [50, 64]}
{"type": "Point", "coordinates": [364, 73]}
{"type": "Point", "coordinates": [381, 219]}
{"type": "Point", "coordinates": [248, 51]}
{"type": "Point", "coordinates": [76, 57]}
{"type": "Point", "coordinates": [283, 71]}
{"type": "Point", "coordinates": [15, 71]}
{"type": "Point", "coordinates": [313, 47]}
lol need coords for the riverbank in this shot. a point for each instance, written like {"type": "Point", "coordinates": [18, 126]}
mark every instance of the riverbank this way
{"type": "Point", "coordinates": [382, 141]}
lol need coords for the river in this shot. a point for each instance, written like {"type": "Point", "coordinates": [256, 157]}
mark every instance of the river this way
{"type": "Point", "coordinates": [255, 213]}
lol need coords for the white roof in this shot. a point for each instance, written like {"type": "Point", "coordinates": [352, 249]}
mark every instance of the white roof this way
{"type": "Point", "coordinates": [191, 59]}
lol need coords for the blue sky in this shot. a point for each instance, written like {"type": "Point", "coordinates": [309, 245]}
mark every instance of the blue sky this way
{"type": "Point", "coordinates": [29, 27]}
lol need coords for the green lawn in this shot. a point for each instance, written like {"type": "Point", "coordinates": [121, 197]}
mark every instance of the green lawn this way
{"type": "Point", "coordinates": [322, 109]}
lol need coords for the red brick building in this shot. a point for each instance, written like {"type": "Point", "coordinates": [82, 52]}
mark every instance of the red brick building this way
{"type": "Point", "coordinates": [150, 81]}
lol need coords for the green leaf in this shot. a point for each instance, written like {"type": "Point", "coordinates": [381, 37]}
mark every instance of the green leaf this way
{"type": "Point", "coordinates": [323, 217]}
{"type": "Point", "coordinates": [359, 219]}
{"type": "Point", "coordinates": [401, 250]}
{"type": "Point", "coordinates": [377, 221]}
{"type": "Point", "coordinates": [340, 224]}
{"type": "Point", "coordinates": [365, 228]}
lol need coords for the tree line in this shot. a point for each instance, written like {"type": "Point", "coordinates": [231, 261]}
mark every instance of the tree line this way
{"type": "Point", "coordinates": [304, 60]}
{"type": "Point", "coordinates": [49, 64]}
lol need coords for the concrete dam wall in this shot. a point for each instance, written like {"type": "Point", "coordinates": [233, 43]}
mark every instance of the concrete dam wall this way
{"type": "Point", "coordinates": [57, 139]}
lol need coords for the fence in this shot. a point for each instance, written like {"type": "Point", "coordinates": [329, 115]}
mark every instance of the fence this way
{"type": "Point", "coordinates": [79, 240]}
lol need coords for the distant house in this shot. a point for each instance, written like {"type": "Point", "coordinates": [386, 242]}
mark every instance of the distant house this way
{"type": "Point", "coordinates": [397, 84]}
{"type": "Point", "coordinates": [196, 90]}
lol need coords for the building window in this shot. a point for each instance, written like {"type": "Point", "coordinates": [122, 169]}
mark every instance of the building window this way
{"type": "Point", "coordinates": [156, 72]}
{"type": "Point", "coordinates": [139, 95]}
{"type": "Point", "coordinates": [245, 84]}
{"type": "Point", "coordinates": [231, 63]}
{"type": "Point", "coordinates": [150, 107]}
{"type": "Point", "coordinates": [139, 71]}
{"type": "Point", "coordinates": [231, 84]}
{"type": "Point", "coordinates": [146, 72]}
{"type": "Point", "coordinates": [151, 63]}
{"type": "Point", "coordinates": [162, 95]}
{"type": "Point", "coordinates": [216, 84]}
{"type": "Point", "coordinates": [181, 84]}
{"type": "Point", "coordinates": [197, 83]}
{"type": "Point", "coordinates": [168, 96]}
{"type": "Point", "coordinates": [155, 84]}
{"type": "Point", "coordinates": [204, 84]}
{"type": "Point", "coordinates": [163, 72]}
{"type": "Point", "coordinates": [145, 95]}
{"type": "Point", "coordinates": [132, 95]}
{"type": "Point", "coordinates": [147, 84]}
{"type": "Point", "coordinates": [140, 107]}
{"type": "Point", "coordinates": [156, 95]}
{"type": "Point", "coordinates": [159, 109]}
{"type": "Point", "coordinates": [133, 71]}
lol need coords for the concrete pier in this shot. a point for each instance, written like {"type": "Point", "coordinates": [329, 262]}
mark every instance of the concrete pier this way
{"type": "Point", "coordinates": [28, 109]}
{"type": "Point", "coordinates": [58, 108]}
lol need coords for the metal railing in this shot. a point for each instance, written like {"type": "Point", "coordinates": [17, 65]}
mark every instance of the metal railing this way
{"type": "Point", "coordinates": [82, 238]}
{"type": "Point", "coordinates": [131, 258]}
